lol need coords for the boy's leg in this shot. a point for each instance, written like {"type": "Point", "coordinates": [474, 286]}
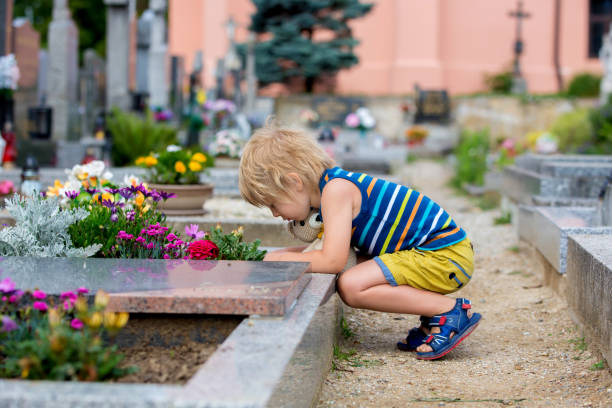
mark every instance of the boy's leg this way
{"type": "Point", "coordinates": [364, 286]}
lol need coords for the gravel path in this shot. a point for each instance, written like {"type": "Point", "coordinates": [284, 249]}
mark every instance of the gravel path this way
{"type": "Point", "coordinates": [527, 352]}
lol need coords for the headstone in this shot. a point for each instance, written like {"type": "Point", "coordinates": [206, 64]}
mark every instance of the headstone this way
{"type": "Point", "coordinates": [6, 18]}
{"type": "Point", "coordinates": [94, 74]}
{"type": "Point", "coordinates": [333, 110]}
{"type": "Point", "coordinates": [606, 209]}
{"type": "Point", "coordinates": [605, 56]}
{"type": "Point", "coordinates": [119, 15]}
{"type": "Point", "coordinates": [143, 43]}
{"type": "Point", "coordinates": [177, 79]}
{"type": "Point", "coordinates": [220, 79]}
{"type": "Point", "coordinates": [63, 68]}
{"type": "Point", "coordinates": [158, 56]}
{"type": "Point", "coordinates": [43, 69]}
{"type": "Point", "coordinates": [432, 106]}
{"type": "Point", "coordinates": [26, 45]}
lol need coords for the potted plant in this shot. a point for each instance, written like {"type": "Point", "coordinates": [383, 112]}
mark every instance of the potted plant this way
{"type": "Point", "coordinates": [177, 171]}
{"type": "Point", "coordinates": [227, 148]}
{"type": "Point", "coordinates": [416, 135]}
{"type": "Point", "coordinates": [361, 120]}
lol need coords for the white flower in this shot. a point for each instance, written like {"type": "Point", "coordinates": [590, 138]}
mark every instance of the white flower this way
{"type": "Point", "coordinates": [173, 148]}
{"type": "Point", "coordinates": [131, 180]}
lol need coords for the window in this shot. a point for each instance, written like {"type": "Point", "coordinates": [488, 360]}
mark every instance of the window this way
{"type": "Point", "coordinates": [600, 17]}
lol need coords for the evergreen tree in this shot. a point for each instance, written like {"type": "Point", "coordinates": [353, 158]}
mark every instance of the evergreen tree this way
{"type": "Point", "coordinates": [293, 50]}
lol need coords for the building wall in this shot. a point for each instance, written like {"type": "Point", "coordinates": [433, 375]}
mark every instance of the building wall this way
{"type": "Point", "coordinates": [448, 44]}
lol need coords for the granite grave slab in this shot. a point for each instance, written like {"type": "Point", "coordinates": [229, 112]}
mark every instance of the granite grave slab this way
{"type": "Point", "coordinates": [169, 286]}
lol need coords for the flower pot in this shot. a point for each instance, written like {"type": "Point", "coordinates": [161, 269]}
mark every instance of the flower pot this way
{"type": "Point", "coordinates": [189, 200]}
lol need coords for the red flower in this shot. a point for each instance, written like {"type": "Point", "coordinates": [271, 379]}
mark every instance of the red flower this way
{"type": "Point", "coordinates": [203, 249]}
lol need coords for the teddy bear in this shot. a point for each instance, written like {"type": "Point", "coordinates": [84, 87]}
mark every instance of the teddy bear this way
{"type": "Point", "coordinates": [311, 230]}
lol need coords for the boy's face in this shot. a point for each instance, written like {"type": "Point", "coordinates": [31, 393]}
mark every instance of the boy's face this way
{"type": "Point", "coordinates": [294, 208]}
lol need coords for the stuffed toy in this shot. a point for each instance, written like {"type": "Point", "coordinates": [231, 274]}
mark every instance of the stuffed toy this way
{"type": "Point", "coordinates": [311, 230]}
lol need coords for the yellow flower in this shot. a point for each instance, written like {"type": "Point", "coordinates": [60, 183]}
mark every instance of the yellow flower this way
{"type": "Point", "coordinates": [54, 191]}
{"type": "Point", "coordinates": [139, 199]}
{"type": "Point", "coordinates": [179, 167]}
{"type": "Point", "coordinates": [82, 176]}
{"type": "Point", "coordinates": [95, 320]}
{"type": "Point", "coordinates": [93, 180]}
{"type": "Point", "coordinates": [122, 319]}
{"type": "Point", "coordinates": [195, 166]}
{"type": "Point", "coordinates": [108, 197]}
{"type": "Point", "coordinates": [140, 161]}
{"type": "Point", "coordinates": [110, 320]}
{"type": "Point", "coordinates": [101, 299]}
{"type": "Point", "coordinates": [199, 157]}
{"type": "Point", "coordinates": [81, 305]}
{"type": "Point", "coordinates": [150, 161]}
{"type": "Point", "coordinates": [54, 318]}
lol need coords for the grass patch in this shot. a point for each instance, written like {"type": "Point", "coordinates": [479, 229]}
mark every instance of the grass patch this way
{"type": "Point", "coordinates": [411, 158]}
{"type": "Point", "coordinates": [488, 201]}
{"type": "Point", "coordinates": [347, 333]}
{"type": "Point", "coordinates": [600, 365]}
{"type": "Point", "coordinates": [579, 344]}
{"type": "Point", "coordinates": [351, 359]}
{"type": "Point", "coordinates": [515, 249]}
{"type": "Point", "coordinates": [517, 272]}
{"type": "Point", "coordinates": [505, 218]}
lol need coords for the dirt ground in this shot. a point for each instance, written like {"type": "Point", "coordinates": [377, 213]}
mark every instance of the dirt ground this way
{"type": "Point", "coordinates": [527, 352]}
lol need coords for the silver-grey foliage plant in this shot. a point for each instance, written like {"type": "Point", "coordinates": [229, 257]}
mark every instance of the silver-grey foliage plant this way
{"type": "Point", "coordinates": [41, 229]}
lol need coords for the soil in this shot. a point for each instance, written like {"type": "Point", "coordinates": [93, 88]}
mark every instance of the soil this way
{"type": "Point", "coordinates": [527, 352]}
{"type": "Point", "coordinates": [169, 349]}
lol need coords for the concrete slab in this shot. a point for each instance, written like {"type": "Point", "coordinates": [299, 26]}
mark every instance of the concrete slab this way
{"type": "Point", "coordinates": [547, 229]}
{"type": "Point", "coordinates": [245, 371]}
{"type": "Point", "coordinates": [589, 274]}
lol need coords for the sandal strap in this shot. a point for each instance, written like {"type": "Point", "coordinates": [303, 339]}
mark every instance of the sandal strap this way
{"type": "Point", "coordinates": [448, 322]}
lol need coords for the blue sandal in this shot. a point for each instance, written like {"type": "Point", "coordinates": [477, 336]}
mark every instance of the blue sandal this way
{"type": "Point", "coordinates": [416, 336]}
{"type": "Point", "coordinates": [457, 321]}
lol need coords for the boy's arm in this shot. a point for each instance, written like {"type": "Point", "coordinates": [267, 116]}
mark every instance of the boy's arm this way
{"type": "Point", "coordinates": [338, 209]}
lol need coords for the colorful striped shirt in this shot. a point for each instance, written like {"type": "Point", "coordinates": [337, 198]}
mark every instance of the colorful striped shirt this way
{"type": "Point", "coordinates": [395, 217]}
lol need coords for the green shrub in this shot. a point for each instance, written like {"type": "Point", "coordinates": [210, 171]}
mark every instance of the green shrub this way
{"type": "Point", "coordinates": [601, 121]}
{"type": "Point", "coordinates": [501, 82]}
{"type": "Point", "coordinates": [471, 154]}
{"type": "Point", "coordinates": [584, 85]}
{"type": "Point", "coordinates": [134, 136]}
{"type": "Point", "coordinates": [573, 130]}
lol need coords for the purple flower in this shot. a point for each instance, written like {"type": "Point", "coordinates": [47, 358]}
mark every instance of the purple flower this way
{"type": "Point", "coordinates": [43, 194]}
{"type": "Point", "coordinates": [91, 191]}
{"type": "Point", "coordinates": [8, 324]}
{"type": "Point", "coordinates": [156, 196]}
{"type": "Point", "coordinates": [13, 298]}
{"type": "Point", "coordinates": [112, 190]}
{"type": "Point", "coordinates": [39, 294]}
{"type": "Point", "coordinates": [7, 285]}
{"type": "Point", "coordinates": [171, 237]}
{"type": "Point", "coordinates": [114, 217]}
{"type": "Point", "coordinates": [72, 194]}
{"type": "Point", "coordinates": [42, 306]}
{"type": "Point", "coordinates": [126, 193]}
{"type": "Point", "coordinates": [165, 195]}
{"type": "Point", "coordinates": [151, 245]}
{"type": "Point", "coordinates": [76, 324]}
{"type": "Point", "coordinates": [192, 231]}
{"type": "Point", "coordinates": [123, 235]}
{"type": "Point", "coordinates": [130, 215]}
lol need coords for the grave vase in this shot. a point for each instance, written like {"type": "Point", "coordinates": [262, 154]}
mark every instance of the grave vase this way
{"type": "Point", "coordinates": [189, 198]}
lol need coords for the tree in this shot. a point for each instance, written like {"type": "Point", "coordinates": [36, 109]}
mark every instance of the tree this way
{"type": "Point", "coordinates": [293, 49]}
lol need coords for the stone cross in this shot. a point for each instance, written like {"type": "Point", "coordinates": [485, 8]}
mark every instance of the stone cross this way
{"type": "Point", "coordinates": [62, 75]}
{"type": "Point", "coordinates": [119, 14]}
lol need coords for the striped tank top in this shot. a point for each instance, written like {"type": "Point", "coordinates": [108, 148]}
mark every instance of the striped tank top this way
{"type": "Point", "coordinates": [394, 217]}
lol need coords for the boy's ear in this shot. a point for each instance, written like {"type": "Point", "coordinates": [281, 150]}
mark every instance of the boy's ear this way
{"type": "Point", "coordinates": [296, 180]}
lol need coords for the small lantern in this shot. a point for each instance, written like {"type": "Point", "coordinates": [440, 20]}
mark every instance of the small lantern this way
{"type": "Point", "coordinates": [39, 122]}
{"type": "Point", "coordinates": [30, 177]}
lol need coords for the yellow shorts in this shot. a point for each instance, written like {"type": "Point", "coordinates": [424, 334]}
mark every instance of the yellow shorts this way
{"type": "Point", "coordinates": [444, 270]}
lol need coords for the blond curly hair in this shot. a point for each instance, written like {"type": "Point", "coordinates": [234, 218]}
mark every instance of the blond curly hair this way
{"type": "Point", "coordinates": [272, 153]}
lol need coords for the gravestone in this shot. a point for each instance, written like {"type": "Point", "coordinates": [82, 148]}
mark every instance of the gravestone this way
{"type": "Point", "coordinates": [6, 17]}
{"type": "Point", "coordinates": [605, 56]}
{"type": "Point", "coordinates": [158, 56]}
{"type": "Point", "coordinates": [119, 16]}
{"type": "Point", "coordinates": [432, 106]}
{"type": "Point", "coordinates": [94, 75]}
{"type": "Point", "coordinates": [63, 68]}
{"type": "Point", "coordinates": [26, 45]}
{"type": "Point", "coordinates": [143, 43]}
{"type": "Point", "coordinates": [333, 110]}
{"type": "Point", "coordinates": [177, 79]}
{"type": "Point", "coordinates": [43, 69]}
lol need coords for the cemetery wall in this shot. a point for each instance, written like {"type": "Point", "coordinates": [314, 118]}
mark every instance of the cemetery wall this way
{"type": "Point", "coordinates": [504, 116]}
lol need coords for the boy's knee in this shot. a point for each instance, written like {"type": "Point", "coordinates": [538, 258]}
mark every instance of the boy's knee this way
{"type": "Point", "coordinates": [347, 290]}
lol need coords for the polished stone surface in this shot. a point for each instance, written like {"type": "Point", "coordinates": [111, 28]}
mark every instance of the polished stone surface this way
{"type": "Point", "coordinates": [168, 286]}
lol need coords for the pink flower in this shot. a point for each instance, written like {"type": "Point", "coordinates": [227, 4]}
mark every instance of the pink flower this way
{"type": "Point", "coordinates": [13, 298]}
{"type": "Point", "coordinates": [192, 231]}
{"type": "Point", "coordinates": [42, 306]}
{"type": "Point", "coordinates": [8, 324]}
{"type": "Point", "coordinates": [141, 240]}
{"type": "Point", "coordinates": [39, 294]}
{"type": "Point", "coordinates": [68, 295]}
{"type": "Point", "coordinates": [6, 187]}
{"type": "Point", "coordinates": [151, 245]}
{"type": "Point", "coordinates": [7, 285]}
{"type": "Point", "coordinates": [68, 303]}
{"type": "Point", "coordinates": [352, 120]}
{"type": "Point", "coordinates": [508, 144]}
{"type": "Point", "coordinates": [83, 291]}
{"type": "Point", "coordinates": [76, 324]}
{"type": "Point", "coordinates": [4, 298]}
{"type": "Point", "coordinates": [171, 237]}
{"type": "Point", "coordinates": [166, 256]}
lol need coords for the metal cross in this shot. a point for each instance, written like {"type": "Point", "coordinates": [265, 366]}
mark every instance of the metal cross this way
{"type": "Point", "coordinates": [519, 14]}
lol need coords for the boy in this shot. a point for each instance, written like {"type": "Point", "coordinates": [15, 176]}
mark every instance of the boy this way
{"type": "Point", "coordinates": [419, 253]}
